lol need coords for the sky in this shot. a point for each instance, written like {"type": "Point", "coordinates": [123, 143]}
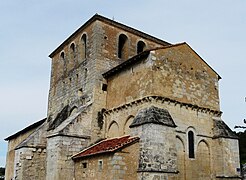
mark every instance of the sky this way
{"type": "Point", "coordinates": [30, 30]}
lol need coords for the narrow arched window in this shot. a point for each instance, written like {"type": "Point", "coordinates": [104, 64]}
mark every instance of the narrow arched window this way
{"type": "Point", "coordinates": [191, 144]}
{"type": "Point", "coordinates": [140, 47]}
{"type": "Point", "coordinates": [122, 47]}
{"type": "Point", "coordinates": [85, 73]}
{"type": "Point", "coordinates": [72, 49]}
{"type": "Point", "coordinates": [62, 64]}
{"type": "Point", "coordinates": [62, 56]}
{"type": "Point", "coordinates": [85, 78]}
{"type": "Point", "coordinates": [83, 42]}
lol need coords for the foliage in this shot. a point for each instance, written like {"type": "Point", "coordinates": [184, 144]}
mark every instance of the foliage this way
{"type": "Point", "coordinates": [2, 173]}
{"type": "Point", "coordinates": [242, 146]}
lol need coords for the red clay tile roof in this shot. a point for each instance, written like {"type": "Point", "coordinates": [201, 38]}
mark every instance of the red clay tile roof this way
{"type": "Point", "coordinates": [107, 145]}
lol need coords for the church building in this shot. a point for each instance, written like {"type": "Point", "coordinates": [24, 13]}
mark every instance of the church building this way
{"type": "Point", "coordinates": [124, 105]}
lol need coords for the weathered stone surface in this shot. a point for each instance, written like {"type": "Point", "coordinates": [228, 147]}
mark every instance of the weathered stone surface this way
{"type": "Point", "coordinates": [119, 165]}
{"type": "Point", "coordinates": [222, 130]}
{"type": "Point", "coordinates": [14, 141]}
{"type": "Point", "coordinates": [61, 116]}
{"type": "Point", "coordinates": [153, 115]}
{"type": "Point", "coordinates": [30, 164]}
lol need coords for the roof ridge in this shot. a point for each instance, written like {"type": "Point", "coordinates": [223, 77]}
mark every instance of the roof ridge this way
{"type": "Point", "coordinates": [113, 23]}
{"type": "Point", "coordinates": [33, 125]}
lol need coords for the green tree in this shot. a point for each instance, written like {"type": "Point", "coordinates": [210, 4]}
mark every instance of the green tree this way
{"type": "Point", "coordinates": [242, 127]}
{"type": "Point", "coordinates": [242, 146]}
{"type": "Point", "coordinates": [2, 173]}
{"type": "Point", "coordinates": [242, 142]}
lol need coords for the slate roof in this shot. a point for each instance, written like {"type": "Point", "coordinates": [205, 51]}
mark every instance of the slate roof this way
{"type": "Point", "coordinates": [30, 127]}
{"type": "Point", "coordinates": [106, 146]}
{"type": "Point", "coordinates": [153, 115]}
{"type": "Point", "coordinates": [221, 130]}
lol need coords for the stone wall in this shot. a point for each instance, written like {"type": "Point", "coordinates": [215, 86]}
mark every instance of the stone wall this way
{"type": "Point", "coordinates": [184, 116]}
{"type": "Point", "coordinates": [175, 72]}
{"type": "Point", "coordinates": [110, 39]}
{"type": "Point", "coordinates": [30, 164]}
{"type": "Point", "coordinates": [157, 149]}
{"type": "Point", "coordinates": [227, 157]}
{"type": "Point", "coordinates": [187, 118]}
{"type": "Point", "coordinates": [77, 79]}
{"type": "Point", "coordinates": [122, 164]}
{"type": "Point", "coordinates": [12, 144]}
{"type": "Point", "coordinates": [72, 82]}
{"type": "Point", "coordinates": [60, 149]}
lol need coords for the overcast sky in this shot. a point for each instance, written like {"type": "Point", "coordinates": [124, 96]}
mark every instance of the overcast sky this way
{"type": "Point", "coordinates": [31, 30]}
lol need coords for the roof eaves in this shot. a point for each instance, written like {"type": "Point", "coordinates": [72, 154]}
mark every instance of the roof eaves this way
{"type": "Point", "coordinates": [96, 153]}
{"type": "Point", "coordinates": [88, 148]}
{"type": "Point", "coordinates": [227, 137]}
{"type": "Point", "coordinates": [184, 43]}
{"type": "Point", "coordinates": [111, 22]}
{"type": "Point", "coordinates": [135, 59]}
{"type": "Point", "coordinates": [93, 18]}
{"type": "Point", "coordinates": [169, 46]}
{"type": "Point", "coordinates": [130, 29]}
{"type": "Point", "coordinates": [126, 63]}
{"type": "Point", "coordinates": [34, 125]}
{"type": "Point", "coordinates": [221, 130]}
{"type": "Point", "coordinates": [129, 142]}
{"type": "Point", "coordinates": [153, 115]}
{"type": "Point", "coordinates": [219, 77]}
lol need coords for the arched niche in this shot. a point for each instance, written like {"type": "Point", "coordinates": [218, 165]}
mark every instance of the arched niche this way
{"type": "Point", "coordinates": [203, 160]}
{"type": "Point", "coordinates": [113, 130]}
{"type": "Point", "coordinates": [128, 122]}
{"type": "Point", "coordinates": [180, 146]}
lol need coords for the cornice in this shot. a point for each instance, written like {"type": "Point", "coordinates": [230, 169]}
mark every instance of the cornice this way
{"type": "Point", "coordinates": [163, 100]}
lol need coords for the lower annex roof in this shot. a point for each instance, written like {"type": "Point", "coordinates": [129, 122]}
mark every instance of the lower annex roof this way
{"type": "Point", "coordinates": [106, 146]}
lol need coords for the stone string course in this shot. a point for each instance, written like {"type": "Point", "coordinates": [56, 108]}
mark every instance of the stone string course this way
{"type": "Point", "coordinates": [164, 100]}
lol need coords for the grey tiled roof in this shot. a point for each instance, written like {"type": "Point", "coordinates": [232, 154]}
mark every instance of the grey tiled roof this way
{"type": "Point", "coordinates": [222, 130]}
{"type": "Point", "coordinates": [153, 115]}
